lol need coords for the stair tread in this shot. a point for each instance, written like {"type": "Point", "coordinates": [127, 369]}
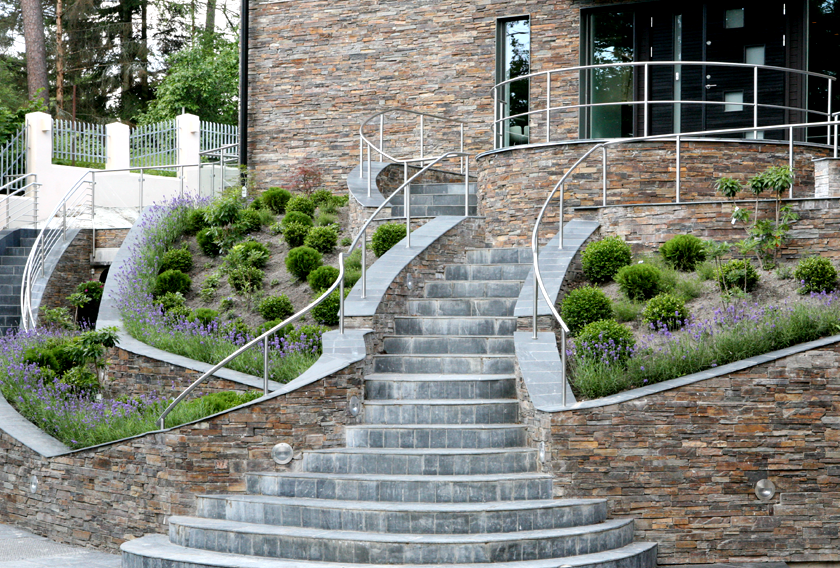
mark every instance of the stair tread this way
{"type": "Point", "coordinates": [432, 377]}
{"type": "Point", "coordinates": [158, 546]}
{"type": "Point", "coordinates": [456, 317]}
{"type": "Point", "coordinates": [435, 426]}
{"type": "Point", "coordinates": [423, 451]}
{"type": "Point", "coordinates": [387, 477]}
{"type": "Point", "coordinates": [413, 538]}
{"type": "Point", "coordinates": [450, 355]}
{"type": "Point", "coordinates": [440, 402]}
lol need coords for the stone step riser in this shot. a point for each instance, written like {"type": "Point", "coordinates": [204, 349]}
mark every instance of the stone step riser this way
{"type": "Point", "coordinates": [500, 256]}
{"type": "Point", "coordinates": [453, 364]}
{"type": "Point", "coordinates": [441, 188]}
{"type": "Point", "coordinates": [433, 210]}
{"type": "Point", "coordinates": [426, 199]}
{"type": "Point", "coordinates": [431, 490]}
{"type": "Point", "coordinates": [426, 464]}
{"type": "Point", "coordinates": [494, 413]}
{"type": "Point", "coordinates": [13, 260]}
{"type": "Point", "coordinates": [470, 289]}
{"type": "Point", "coordinates": [513, 436]}
{"type": "Point", "coordinates": [468, 308]}
{"type": "Point", "coordinates": [454, 345]}
{"type": "Point", "coordinates": [399, 522]}
{"type": "Point", "coordinates": [426, 390]}
{"type": "Point", "coordinates": [16, 270]}
{"type": "Point", "coordinates": [417, 325]}
{"type": "Point", "coordinates": [17, 251]}
{"type": "Point", "coordinates": [314, 548]}
{"type": "Point", "coordinates": [481, 272]}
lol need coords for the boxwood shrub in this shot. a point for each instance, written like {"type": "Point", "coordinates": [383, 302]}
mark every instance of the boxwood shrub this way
{"type": "Point", "coordinates": [583, 306]}
{"type": "Point", "coordinates": [602, 259]}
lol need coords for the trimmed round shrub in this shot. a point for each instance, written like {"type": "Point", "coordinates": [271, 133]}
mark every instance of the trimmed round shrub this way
{"type": "Point", "coordinates": [639, 281]}
{"type": "Point", "coordinates": [322, 278]}
{"type": "Point", "coordinates": [346, 241]}
{"type": "Point", "coordinates": [665, 310]}
{"type": "Point", "coordinates": [301, 204]}
{"type": "Point", "coordinates": [249, 221]}
{"type": "Point", "coordinates": [737, 274]}
{"type": "Point", "coordinates": [276, 198]}
{"type": "Point", "coordinates": [223, 211]}
{"type": "Point", "coordinates": [295, 234]}
{"type": "Point", "coordinates": [172, 281]}
{"type": "Point", "coordinates": [297, 217]}
{"type": "Point", "coordinates": [177, 259]}
{"type": "Point", "coordinates": [195, 221]}
{"type": "Point", "coordinates": [583, 306]}
{"type": "Point", "coordinates": [204, 315]}
{"type": "Point", "coordinates": [245, 278]}
{"type": "Point", "coordinates": [276, 308]}
{"type": "Point", "coordinates": [326, 312]}
{"type": "Point", "coordinates": [42, 357]}
{"type": "Point", "coordinates": [322, 239]}
{"type": "Point", "coordinates": [303, 260]}
{"type": "Point", "coordinates": [683, 252]}
{"type": "Point", "coordinates": [82, 380]}
{"type": "Point", "coordinates": [256, 204]}
{"type": "Point", "coordinates": [816, 274]}
{"type": "Point", "coordinates": [386, 236]}
{"type": "Point", "coordinates": [206, 242]}
{"type": "Point", "coordinates": [605, 339]}
{"type": "Point", "coordinates": [602, 259]}
{"type": "Point", "coordinates": [249, 253]}
{"type": "Point", "coordinates": [321, 197]}
{"type": "Point", "coordinates": [172, 300]}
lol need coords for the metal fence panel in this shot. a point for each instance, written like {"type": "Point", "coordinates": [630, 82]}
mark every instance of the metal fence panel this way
{"type": "Point", "coordinates": [215, 135]}
{"type": "Point", "coordinates": [79, 143]}
{"type": "Point", "coordinates": [13, 157]}
{"type": "Point", "coordinates": [154, 144]}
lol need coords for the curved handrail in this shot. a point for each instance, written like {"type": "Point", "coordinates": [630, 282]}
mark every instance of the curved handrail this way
{"type": "Point", "coordinates": [14, 212]}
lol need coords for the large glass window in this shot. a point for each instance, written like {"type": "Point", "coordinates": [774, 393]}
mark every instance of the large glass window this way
{"type": "Point", "coordinates": [823, 47]}
{"type": "Point", "coordinates": [514, 60]}
{"type": "Point", "coordinates": [610, 41]}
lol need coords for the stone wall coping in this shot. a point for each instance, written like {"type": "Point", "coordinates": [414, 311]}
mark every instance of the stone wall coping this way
{"type": "Point", "coordinates": [358, 185]}
{"type": "Point", "coordinates": [538, 361]}
{"type": "Point", "coordinates": [681, 381]}
{"type": "Point", "coordinates": [385, 270]}
{"type": "Point", "coordinates": [695, 203]}
{"type": "Point", "coordinates": [25, 432]}
{"type": "Point", "coordinates": [828, 159]}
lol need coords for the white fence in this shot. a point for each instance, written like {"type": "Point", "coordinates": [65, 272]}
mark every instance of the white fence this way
{"type": "Point", "coordinates": [13, 160]}
{"type": "Point", "coordinates": [154, 144]}
{"type": "Point", "coordinates": [79, 143]}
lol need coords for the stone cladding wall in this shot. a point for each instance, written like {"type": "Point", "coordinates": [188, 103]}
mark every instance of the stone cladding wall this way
{"type": "Point", "coordinates": [684, 463]}
{"type": "Point", "coordinates": [106, 495]}
{"type": "Point", "coordinates": [514, 184]}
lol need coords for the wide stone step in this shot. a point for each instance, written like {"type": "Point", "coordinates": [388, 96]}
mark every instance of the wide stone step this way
{"type": "Point", "coordinates": [472, 289]}
{"type": "Point", "coordinates": [403, 488]}
{"type": "Point", "coordinates": [433, 210]}
{"type": "Point", "coordinates": [483, 272]}
{"type": "Point", "coordinates": [7, 269]}
{"type": "Point", "coordinates": [298, 543]}
{"type": "Point", "coordinates": [434, 199]}
{"type": "Point", "coordinates": [17, 251]}
{"type": "Point", "coordinates": [11, 290]}
{"type": "Point", "coordinates": [424, 461]}
{"type": "Point", "coordinates": [27, 242]}
{"type": "Point", "coordinates": [405, 518]}
{"type": "Point", "coordinates": [440, 188]}
{"type": "Point", "coordinates": [478, 364]}
{"type": "Point", "coordinates": [438, 325]}
{"type": "Point", "coordinates": [399, 386]}
{"type": "Point", "coordinates": [436, 436]}
{"type": "Point", "coordinates": [441, 411]}
{"type": "Point", "coordinates": [462, 307]}
{"type": "Point", "coordinates": [448, 344]}
{"type": "Point", "coordinates": [155, 551]}
{"type": "Point", "coordinates": [13, 260]}
{"type": "Point", "coordinates": [500, 256]}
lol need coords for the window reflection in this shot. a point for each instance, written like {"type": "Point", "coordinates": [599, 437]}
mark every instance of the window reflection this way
{"type": "Point", "coordinates": [611, 41]}
{"type": "Point", "coordinates": [515, 61]}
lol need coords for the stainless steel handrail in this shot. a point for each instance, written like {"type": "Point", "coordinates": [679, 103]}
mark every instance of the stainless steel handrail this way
{"type": "Point", "coordinates": [14, 212]}
{"type": "Point", "coordinates": [499, 118]}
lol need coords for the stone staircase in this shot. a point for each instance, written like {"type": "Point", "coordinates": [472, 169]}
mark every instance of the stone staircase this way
{"type": "Point", "coordinates": [438, 474]}
{"type": "Point", "coordinates": [12, 261]}
{"type": "Point", "coordinates": [433, 199]}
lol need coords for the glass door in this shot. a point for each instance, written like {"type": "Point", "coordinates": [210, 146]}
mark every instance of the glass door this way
{"type": "Point", "coordinates": [514, 60]}
{"type": "Point", "coordinates": [610, 40]}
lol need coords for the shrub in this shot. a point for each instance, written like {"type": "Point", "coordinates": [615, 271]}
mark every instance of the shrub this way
{"type": "Point", "coordinates": [276, 308]}
{"type": "Point", "coordinates": [684, 252]}
{"type": "Point", "coordinates": [172, 300]}
{"type": "Point", "coordinates": [322, 278]}
{"type": "Point", "coordinates": [627, 310]}
{"type": "Point", "coordinates": [237, 327]}
{"type": "Point", "coordinates": [605, 339]}
{"type": "Point", "coordinates": [816, 274]}
{"type": "Point", "coordinates": [276, 228]}
{"type": "Point", "coordinates": [92, 289]}
{"type": "Point", "coordinates": [249, 221]}
{"type": "Point", "coordinates": [276, 198]}
{"type": "Point", "coordinates": [321, 197]}
{"type": "Point", "coordinates": [58, 318]}
{"type": "Point", "coordinates": [245, 278]}
{"type": "Point", "coordinates": [346, 241]}
{"type": "Point", "coordinates": [225, 237]}
{"type": "Point", "coordinates": [325, 220]}
{"type": "Point", "coordinates": [223, 211]}
{"type": "Point", "coordinates": [322, 239]}
{"type": "Point", "coordinates": [737, 274]}
{"type": "Point", "coordinates": [42, 356]}
{"type": "Point", "coordinates": [327, 311]}
{"type": "Point", "coordinates": [195, 221]}
{"type": "Point", "coordinates": [583, 306]}
{"type": "Point", "coordinates": [386, 236]}
{"type": "Point", "coordinates": [206, 243]}
{"type": "Point", "coordinates": [82, 380]}
{"type": "Point", "coordinates": [665, 310]}
{"type": "Point", "coordinates": [295, 234]}
{"type": "Point", "coordinates": [602, 259]}
{"type": "Point", "coordinates": [172, 281]}
{"type": "Point", "coordinates": [249, 253]}
{"type": "Point", "coordinates": [177, 259]}
{"type": "Point", "coordinates": [353, 261]}
{"type": "Point", "coordinates": [297, 217]}
{"type": "Point", "coordinates": [266, 217]}
{"type": "Point", "coordinates": [639, 281]}
{"type": "Point", "coordinates": [256, 204]}
{"type": "Point", "coordinates": [303, 260]}
{"type": "Point", "coordinates": [301, 204]}
{"type": "Point", "coordinates": [216, 402]}
{"type": "Point", "coordinates": [351, 276]}
{"type": "Point", "coordinates": [204, 315]}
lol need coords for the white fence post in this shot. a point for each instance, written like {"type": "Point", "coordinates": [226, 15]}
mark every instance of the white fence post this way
{"type": "Point", "coordinates": [117, 148]}
{"type": "Point", "coordinates": [188, 128]}
{"type": "Point", "coordinates": [39, 150]}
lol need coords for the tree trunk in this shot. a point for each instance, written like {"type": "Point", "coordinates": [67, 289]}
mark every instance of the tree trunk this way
{"type": "Point", "coordinates": [36, 50]}
{"type": "Point", "coordinates": [60, 58]}
{"type": "Point", "coordinates": [210, 19]}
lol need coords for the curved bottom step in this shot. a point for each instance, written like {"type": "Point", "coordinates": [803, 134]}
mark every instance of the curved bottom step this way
{"type": "Point", "coordinates": [155, 551]}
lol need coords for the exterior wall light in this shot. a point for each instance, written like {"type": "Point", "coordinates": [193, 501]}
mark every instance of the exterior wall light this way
{"type": "Point", "coordinates": [282, 453]}
{"type": "Point", "coordinates": [765, 490]}
{"type": "Point", "coordinates": [33, 484]}
{"type": "Point", "coordinates": [542, 452]}
{"type": "Point", "coordinates": [354, 407]}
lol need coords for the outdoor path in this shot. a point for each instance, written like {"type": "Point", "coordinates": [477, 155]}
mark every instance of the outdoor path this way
{"type": "Point", "coordinates": [22, 549]}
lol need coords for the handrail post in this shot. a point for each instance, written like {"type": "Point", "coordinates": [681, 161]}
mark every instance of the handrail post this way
{"type": "Point", "coordinates": [604, 176]}
{"type": "Point", "coordinates": [142, 171]}
{"type": "Point", "coordinates": [368, 167]}
{"type": "Point", "coordinates": [462, 147]}
{"type": "Point", "coordinates": [181, 180]}
{"type": "Point", "coordinates": [64, 220]}
{"type": "Point", "coordinates": [828, 137]}
{"type": "Point", "coordinates": [679, 165]}
{"type": "Point", "coordinates": [496, 144]}
{"type": "Point", "coordinates": [467, 191]}
{"type": "Point", "coordinates": [548, 107]}
{"type": "Point", "coordinates": [408, 215]}
{"type": "Point", "coordinates": [405, 172]}
{"type": "Point", "coordinates": [422, 138]}
{"type": "Point", "coordinates": [790, 160]}
{"type": "Point", "coordinates": [562, 214]}
{"type": "Point", "coordinates": [755, 100]}
{"type": "Point", "coordinates": [563, 383]}
{"type": "Point", "coordinates": [647, 104]}
{"type": "Point", "coordinates": [35, 202]}
{"type": "Point", "coordinates": [364, 263]}
{"type": "Point", "coordinates": [836, 121]}
{"type": "Point", "coordinates": [341, 295]}
{"type": "Point", "coordinates": [536, 290]}
{"type": "Point", "coordinates": [92, 213]}
{"type": "Point", "coordinates": [381, 139]}
{"type": "Point", "coordinates": [361, 156]}
{"type": "Point", "coordinates": [265, 365]}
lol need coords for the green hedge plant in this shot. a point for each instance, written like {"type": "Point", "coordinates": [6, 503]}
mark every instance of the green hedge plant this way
{"type": "Point", "coordinates": [386, 236]}
{"type": "Point", "coordinates": [303, 260]}
{"type": "Point", "coordinates": [172, 281]}
{"type": "Point", "coordinates": [816, 274]}
{"type": "Point", "coordinates": [602, 259]}
{"type": "Point", "coordinates": [177, 259]}
{"type": "Point", "coordinates": [583, 306]}
{"type": "Point", "coordinates": [295, 234]}
{"type": "Point", "coordinates": [276, 198]}
{"type": "Point", "coordinates": [297, 217]}
{"type": "Point", "coordinates": [276, 308]}
{"type": "Point", "coordinates": [639, 281]}
{"type": "Point", "coordinates": [665, 310]}
{"type": "Point", "coordinates": [322, 239]}
{"type": "Point", "coordinates": [322, 278]}
{"type": "Point", "coordinates": [684, 252]}
{"type": "Point", "coordinates": [737, 274]}
{"type": "Point", "coordinates": [301, 204]}
{"type": "Point", "coordinates": [605, 339]}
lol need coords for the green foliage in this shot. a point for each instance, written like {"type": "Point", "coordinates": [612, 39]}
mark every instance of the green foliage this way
{"type": "Point", "coordinates": [683, 252]}
{"type": "Point", "coordinates": [386, 236]}
{"type": "Point", "coordinates": [177, 259]}
{"type": "Point", "coordinates": [295, 234]}
{"type": "Point", "coordinates": [248, 253]}
{"type": "Point", "coordinates": [267, 218]}
{"type": "Point", "coordinates": [82, 380]}
{"type": "Point", "coordinates": [249, 221]}
{"type": "Point", "coordinates": [172, 300]}
{"type": "Point", "coordinates": [206, 243]}
{"type": "Point", "coordinates": [583, 306]}
{"type": "Point", "coordinates": [256, 204]}
{"type": "Point", "coordinates": [353, 261]}
{"type": "Point", "coordinates": [276, 228]}
{"type": "Point", "coordinates": [321, 197]}
{"type": "Point", "coordinates": [224, 237]}
{"type": "Point", "coordinates": [238, 327]}
{"type": "Point", "coordinates": [706, 270]}
{"type": "Point", "coordinates": [302, 204]}
{"type": "Point", "coordinates": [816, 274]}
{"type": "Point", "coordinates": [276, 308]}
{"type": "Point", "coordinates": [327, 311]}
{"type": "Point", "coordinates": [245, 278]}
{"type": "Point", "coordinates": [627, 310]}
{"type": "Point", "coordinates": [728, 187]}
{"type": "Point", "coordinates": [602, 259]}
{"type": "Point", "coordinates": [227, 303]}
{"type": "Point", "coordinates": [605, 338]}
{"type": "Point", "coordinates": [639, 281]}
{"type": "Point", "coordinates": [303, 260]}
{"type": "Point", "coordinates": [225, 210]}
{"type": "Point", "coordinates": [784, 273]}
{"type": "Point", "coordinates": [276, 198]}
{"type": "Point", "coordinates": [204, 315]}
{"type": "Point", "coordinates": [195, 221]}
{"type": "Point", "coordinates": [92, 289]}
{"type": "Point", "coordinates": [737, 274]}
{"type": "Point", "coordinates": [768, 237]}
{"type": "Point", "coordinates": [322, 239]}
{"type": "Point", "coordinates": [322, 278]}
{"type": "Point", "coordinates": [325, 220]}
{"type": "Point", "coordinates": [57, 318]}
{"type": "Point", "coordinates": [172, 281]}
{"type": "Point", "coordinates": [42, 356]}
{"type": "Point", "coordinates": [346, 241]}
{"type": "Point", "coordinates": [665, 310]}
{"type": "Point", "coordinates": [216, 402]}
{"type": "Point", "coordinates": [297, 217]}
{"type": "Point", "coordinates": [777, 180]}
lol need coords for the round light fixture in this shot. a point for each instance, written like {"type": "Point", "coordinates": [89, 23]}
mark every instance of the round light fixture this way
{"type": "Point", "coordinates": [764, 489]}
{"type": "Point", "coordinates": [282, 453]}
{"type": "Point", "coordinates": [354, 407]}
{"type": "Point", "coordinates": [542, 451]}
{"type": "Point", "coordinates": [33, 484]}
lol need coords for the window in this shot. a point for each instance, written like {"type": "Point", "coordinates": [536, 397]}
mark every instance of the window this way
{"type": "Point", "coordinates": [610, 40]}
{"type": "Point", "coordinates": [513, 59]}
{"type": "Point", "coordinates": [734, 101]}
{"type": "Point", "coordinates": [754, 55]}
{"type": "Point", "coordinates": [734, 19]}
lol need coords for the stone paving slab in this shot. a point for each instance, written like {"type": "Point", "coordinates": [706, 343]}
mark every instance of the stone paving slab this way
{"type": "Point", "coordinates": [22, 549]}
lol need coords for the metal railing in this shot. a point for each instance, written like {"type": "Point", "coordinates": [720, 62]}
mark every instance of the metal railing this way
{"type": "Point", "coordinates": [79, 141]}
{"type": "Point", "coordinates": [13, 157]}
{"type": "Point", "coordinates": [541, 83]}
{"type": "Point", "coordinates": [154, 144]}
{"type": "Point", "coordinates": [19, 202]}
{"type": "Point", "coordinates": [378, 121]}
{"type": "Point", "coordinates": [215, 135]}
{"type": "Point", "coordinates": [223, 163]}
{"type": "Point", "coordinates": [833, 124]}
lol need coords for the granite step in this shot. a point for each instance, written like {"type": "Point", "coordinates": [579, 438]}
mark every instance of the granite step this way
{"type": "Point", "coordinates": [399, 386]}
{"type": "Point", "coordinates": [406, 518]}
{"type": "Point", "coordinates": [403, 488]}
{"type": "Point", "coordinates": [484, 272]}
{"type": "Point", "coordinates": [473, 289]}
{"type": "Point", "coordinates": [465, 326]}
{"type": "Point", "coordinates": [500, 256]}
{"type": "Point", "coordinates": [13, 260]}
{"type": "Point", "coordinates": [423, 461]}
{"type": "Point", "coordinates": [27, 242]}
{"type": "Point", "coordinates": [462, 307]}
{"type": "Point", "coordinates": [478, 364]}
{"type": "Point", "coordinates": [434, 199]}
{"type": "Point", "coordinates": [436, 436]}
{"type": "Point", "coordinates": [7, 269]}
{"type": "Point", "coordinates": [433, 210]}
{"type": "Point", "coordinates": [448, 344]}
{"type": "Point", "coordinates": [17, 251]}
{"type": "Point", "coordinates": [452, 411]}
{"type": "Point", "coordinates": [440, 188]}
